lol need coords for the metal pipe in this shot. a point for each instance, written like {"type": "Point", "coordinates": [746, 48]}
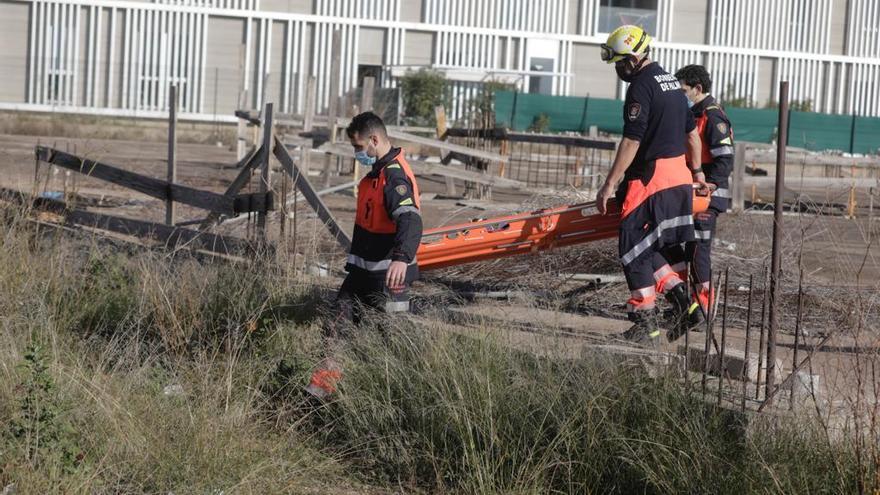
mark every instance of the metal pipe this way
{"type": "Point", "coordinates": [776, 256]}
{"type": "Point", "coordinates": [172, 152]}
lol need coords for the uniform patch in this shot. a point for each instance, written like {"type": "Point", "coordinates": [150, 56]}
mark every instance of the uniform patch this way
{"type": "Point", "coordinates": [633, 111]}
{"type": "Point", "coordinates": [722, 127]}
{"type": "Point", "coordinates": [401, 189]}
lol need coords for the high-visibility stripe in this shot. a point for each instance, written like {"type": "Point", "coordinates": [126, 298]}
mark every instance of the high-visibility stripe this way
{"type": "Point", "coordinates": [370, 266]}
{"type": "Point", "coordinates": [721, 193]}
{"type": "Point", "coordinates": [654, 236]}
{"type": "Point", "coordinates": [641, 299]}
{"type": "Point", "coordinates": [703, 235]}
{"type": "Point", "coordinates": [396, 306]}
{"type": "Point", "coordinates": [721, 151]}
{"type": "Point", "coordinates": [404, 209]}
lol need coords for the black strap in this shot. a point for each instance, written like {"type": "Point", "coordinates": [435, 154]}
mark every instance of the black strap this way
{"type": "Point", "coordinates": [639, 44]}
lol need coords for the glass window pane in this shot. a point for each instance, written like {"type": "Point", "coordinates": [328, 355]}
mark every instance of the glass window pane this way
{"type": "Point", "coordinates": [612, 15]}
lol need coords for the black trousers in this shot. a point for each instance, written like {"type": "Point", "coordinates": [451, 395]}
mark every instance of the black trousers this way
{"type": "Point", "coordinates": [359, 295]}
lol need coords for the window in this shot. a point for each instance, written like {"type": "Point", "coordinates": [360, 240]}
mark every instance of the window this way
{"type": "Point", "coordinates": [616, 13]}
{"type": "Point", "coordinates": [541, 84]}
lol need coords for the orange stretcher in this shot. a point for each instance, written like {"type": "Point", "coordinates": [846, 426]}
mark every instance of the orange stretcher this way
{"type": "Point", "coordinates": [522, 233]}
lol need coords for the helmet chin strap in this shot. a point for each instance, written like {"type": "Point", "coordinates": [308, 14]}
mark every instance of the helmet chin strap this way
{"type": "Point", "coordinates": [638, 67]}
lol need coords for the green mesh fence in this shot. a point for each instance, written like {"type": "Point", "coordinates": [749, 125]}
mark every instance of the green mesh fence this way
{"type": "Point", "coordinates": [753, 125]}
{"type": "Point", "coordinates": [866, 135]}
{"type": "Point", "coordinates": [814, 131]}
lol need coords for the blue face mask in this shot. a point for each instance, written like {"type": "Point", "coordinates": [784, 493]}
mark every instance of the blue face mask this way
{"type": "Point", "coordinates": [365, 159]}
{"type": "Point", "coordinates": [690, 103]}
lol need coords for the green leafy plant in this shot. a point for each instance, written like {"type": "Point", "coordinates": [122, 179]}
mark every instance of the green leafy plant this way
{"type": "Point", "coordinates": [39, 427]}
{"type": "Point", "coordinates": [422, 91]}
{"type": "Point", "coordinates": [541, 124]}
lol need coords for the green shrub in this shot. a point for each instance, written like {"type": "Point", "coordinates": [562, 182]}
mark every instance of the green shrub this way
{"type": "Point", "coordinates": [422, 90]}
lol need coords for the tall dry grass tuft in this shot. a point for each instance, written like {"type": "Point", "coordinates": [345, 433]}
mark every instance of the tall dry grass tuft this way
{"type": "Point", "coordinates": [138, 371]}
{"type": "Point", "coordinates": [445, 412]}
{"type": "Point", "coordinates": [124, 370]}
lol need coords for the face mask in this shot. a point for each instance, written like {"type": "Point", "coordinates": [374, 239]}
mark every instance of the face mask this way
{"type": "Point", "coordinates": [690, 103]}
{"type": "Point", "coordinates": [365, 159]}
{"type": "Point", "coordinates": [623, 72]}
{"type": "Point", "coordinates": [627, 74]}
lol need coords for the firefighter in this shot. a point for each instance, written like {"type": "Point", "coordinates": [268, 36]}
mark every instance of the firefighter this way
{"type": "Point", "coordinates": [716, 135]}
{"type": "Point", "coordinates": [652, 169]}
{"type": "Point", "coordinates": [388, 228]}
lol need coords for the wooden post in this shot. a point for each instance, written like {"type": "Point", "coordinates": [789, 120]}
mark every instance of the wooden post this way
{"type": "Point", "coordinates": [265, 177]}
{"type": "Point", "coordinates": [335, 70]}
{"type": "Point", "coordinates": [241, 129]}
{"type": "Point", "coordinates": [367, 94]}
{"type": "Point", "coordinates": [851, 204]}
{"type": "Point", "coordinates": [311, 100]}
{"type": "Point", "coordinates": [440, 117]}
{"type": "Point", "coordinates": [172, 152]}
{"type": "Point", "coordinates": [870, 212]}
{"type": "Point", "coordinates": [505, 150]}
{"type": "Point", "coordinates": [739, 171]}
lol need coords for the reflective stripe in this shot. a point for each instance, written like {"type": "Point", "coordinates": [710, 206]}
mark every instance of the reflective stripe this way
{"type": "Point", "coordinates": [651, 238]}
{"type": "Point", "coordinates": [404, 209]}
{"type": "Point", "coordinates": [641, 299]}
{"type": "Point", "coordinates": [703, 235]}
{"type": "Point", "coordinates": [721, 151]}
{"type": "Point", "coordinates": [370, 266]}
{"type": "Point", "coordinates": [662, 272]}
{"type": "Point", "coordinates": [643, 293]}
{"type": "Point", "coordinates": [721, 193]}
{"type": "Point", "coordinates": [396, 306]}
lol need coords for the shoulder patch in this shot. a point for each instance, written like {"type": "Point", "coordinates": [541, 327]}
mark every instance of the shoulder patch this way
{"type": "Point", "coordinates": [722, 127]}
{"type": "Point", "coordinates": [633, 111]}
{"type": "Point", "coordinates": [401, 189]}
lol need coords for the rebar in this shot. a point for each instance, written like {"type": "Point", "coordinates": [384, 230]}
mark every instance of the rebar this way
{"type": "Point", "coordinates": [745, 369]}
{"type": "Point", "coordinates": [722, 367]}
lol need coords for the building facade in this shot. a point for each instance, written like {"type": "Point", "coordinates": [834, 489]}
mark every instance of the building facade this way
{"type": "Point", "coordinates": [118, 57]}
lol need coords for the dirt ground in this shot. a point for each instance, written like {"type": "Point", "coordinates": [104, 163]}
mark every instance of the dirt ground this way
{"type": "Point", "coordinates": [839, 256]}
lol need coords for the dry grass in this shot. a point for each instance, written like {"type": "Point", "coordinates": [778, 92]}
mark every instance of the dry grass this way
{"type": "Point", "coordinates": [144, 372]}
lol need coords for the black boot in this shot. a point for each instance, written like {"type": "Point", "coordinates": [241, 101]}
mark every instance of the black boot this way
{"type": "Point", "coordinates": [645, 329]}
{"type": "Point", "coordinates": [684, 314]}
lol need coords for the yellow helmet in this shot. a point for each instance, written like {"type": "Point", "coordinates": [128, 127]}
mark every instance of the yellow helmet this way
{"type": "Point", "coordinates": [625, 40]}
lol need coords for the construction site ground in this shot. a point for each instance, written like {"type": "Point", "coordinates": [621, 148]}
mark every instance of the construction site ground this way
{"type": "Point", "coordinates": [545, 302]}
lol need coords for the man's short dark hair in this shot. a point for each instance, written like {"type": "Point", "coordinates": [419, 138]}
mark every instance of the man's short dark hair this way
{"type": "Point", "coordinates": [693, 75]}
{"type": "Point", "coordinates": [366, 124]}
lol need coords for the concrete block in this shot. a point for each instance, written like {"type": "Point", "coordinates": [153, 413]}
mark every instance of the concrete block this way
{"type": "Point", "coordinates": [734, 362]}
